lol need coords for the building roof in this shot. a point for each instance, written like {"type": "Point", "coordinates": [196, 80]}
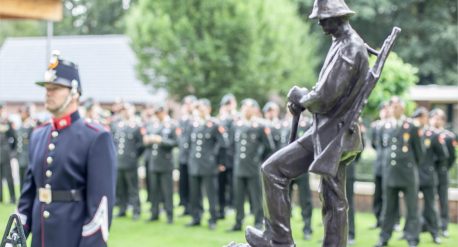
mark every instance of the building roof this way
{"type": "Point", "coordinates": [434, 93]}
{"type": "Point", "coordinates": [106, 65]}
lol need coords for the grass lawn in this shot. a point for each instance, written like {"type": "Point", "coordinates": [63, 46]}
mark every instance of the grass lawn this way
{"type": "Point", "coordinates": [125, 232]}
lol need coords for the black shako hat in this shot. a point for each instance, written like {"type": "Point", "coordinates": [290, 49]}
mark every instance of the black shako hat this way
{"type": "Point", "coordinates": [62, 72]}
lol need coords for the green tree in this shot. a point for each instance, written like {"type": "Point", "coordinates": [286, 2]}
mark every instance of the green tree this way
{"type": "Point", "coordinates": [397, 78]}
{"type": "Point", "coordinates": [211, 47]}
{"type": "Point", "coordinates": [93, 17]}
{"type": "Point", "coordinates": [428, 38]}
{"type": "Point", "coordinates": [18, 28]}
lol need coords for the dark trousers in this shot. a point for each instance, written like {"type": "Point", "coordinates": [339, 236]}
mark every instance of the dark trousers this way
{"type": "Point", "coordinates": [147, 183]}
{"type": "Point", "coordinates": [6, 173]}
{"type": "Point", "coordinates": [127, 190]}
{"type": "Point", "coordinates": [277, 172]}
{"type": "Point", "coordinates": [305, 201]}
{"type": "Point", "coordinates": [429, 215]}
{"type": "Point", "coordinates": [390, 211]}
{"type": "Point", "coordinates": [183, 186]}
{"type": "Point", "coordinates": [224, 190]}
{"type": "Point", "coordinates": [351, 208]}
{"type": "Point", "coordinates": [378, 199]}
{"type": "Point", "coordinates": [252, 186]}
{"type": "Point", "coordinates": [442, 191]}
{"type": "Point", "coordinates": [208, 183]}
{"type": "Point", "coordinates": [161, 190]}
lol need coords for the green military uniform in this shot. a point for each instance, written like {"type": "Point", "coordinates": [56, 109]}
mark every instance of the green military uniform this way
{"type": "Point", "coordinates": [7, 147]}
{"type": "Point", "coordinates": [128, 142]}
{"type": "Point", "coordinates": [147, 157]}
{"type": "Point", "coordinates": [206, 152]}
{"type": "Point", "coordinates": [252, 140]}
{"type": "Point", "coordinates": [22, 146]}
{"type": "Point", "coordinates": [435, 152]}
{"type": "Point", "coordinates": [402, 146]}
{"type": "Point", "coordinates": [160, 167]}
{"type": "Point", "coordinates": [443, 180]}
{"type": "Point", "coordinates": [225, 178]}
{"type": "Point", "coordinates": [184, 136]}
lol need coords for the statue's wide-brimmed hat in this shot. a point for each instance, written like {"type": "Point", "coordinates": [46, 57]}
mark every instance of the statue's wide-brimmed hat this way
{"type": "Point", "coordinates": [323, 9]}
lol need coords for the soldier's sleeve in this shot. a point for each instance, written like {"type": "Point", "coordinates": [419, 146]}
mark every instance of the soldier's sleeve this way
{"type": "Point", "coordinates": [100, 191]}
{"type": "Point", "coordinates": [440, 150]}
{"type": "Point", "coordinates": [334, 81]}
{"type": "Point", "coordinates": [374, 138]}
{"type": "Point", "coordinates": [138, 137]}
{"type": "Point", "coordinates": [170, 140]}
{"type": "Point", "coordinates": [12, 136]}
{"type": "Point", "coordinates": [220, 147]}
{"type": "Point", "coordinates": [267, 141]}
{"type": "Point", "coordinates": [415, 142]}
{"type": "Point", "coordinates": [28, 194]}
{"type": "Point", "coordinates": [451, 144]}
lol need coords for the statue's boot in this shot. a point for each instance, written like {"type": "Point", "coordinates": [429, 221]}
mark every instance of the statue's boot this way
{"type": "Point", "coordinates": [256, 238]}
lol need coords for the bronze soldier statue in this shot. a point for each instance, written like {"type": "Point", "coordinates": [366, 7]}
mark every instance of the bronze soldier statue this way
{"type": "Point", "coordinates": [334, 139]}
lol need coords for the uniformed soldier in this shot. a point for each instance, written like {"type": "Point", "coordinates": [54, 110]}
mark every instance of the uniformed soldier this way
{"type": "Point", "coordinates": [401, 142]}
{"type": "Point", "coordinates": [93, 112]}
{"type": "Point", "coordinates": [376, 143]}
{"type": "Point", "coordinates": [227, 116]}
{"type": "Point", "coordinates": [68, 191]}
{"type": "Point", "coordinates": [129, 145]}
{"type": "Point", "coordinates": [206, 157]}
{"type": "Point", "coordinates": [183, 132]}
{"type": "Point", "coordinates": [148, 120]}
{"type": "Point", "coordinates": [434, 152]}
{"type": "Point", "coordinates": [252, 139]}
{"type": "Point", "coordinates": [23, 139]}
{"type": "Point", "coordinates": [7, 147]}
{"type": "Point", "coordinates": [438, 120]}
{"type": "Point", "coordinates": [271, 112]}
{"type": "Point", "coordinates": [161, 137]}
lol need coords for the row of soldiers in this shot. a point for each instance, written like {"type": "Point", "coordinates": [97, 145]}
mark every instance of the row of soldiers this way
{"type": "Point", "coordinates": [413, 155]}
{"type": "Point", "coordinates": [217, 155]}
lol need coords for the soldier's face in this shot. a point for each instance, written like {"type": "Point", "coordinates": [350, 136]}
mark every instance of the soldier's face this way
{"type": "Point", "coordinates": [397, 109]}
{"type": "Point", "coordinates": [437, 121]}
{"type": "Point", "coordinates": [384, 113]}
{"type": "Point", "coordinates": [56, 96]}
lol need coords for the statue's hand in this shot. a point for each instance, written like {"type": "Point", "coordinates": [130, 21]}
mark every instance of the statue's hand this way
{"type": "Point", "coordinates": [295, 95]}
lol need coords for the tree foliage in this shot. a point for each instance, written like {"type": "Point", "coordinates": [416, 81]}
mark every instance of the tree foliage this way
{"type": "Point", "coordinates": [18, 28]}
{"type": "Point", "coordinates": [93, 17]}
{"type": "Point", "coordinates": [428, 38]}
{"type": "Point", "coordinates": [397, 77]}
{"type": "Point", "coordinates": [212, 47]}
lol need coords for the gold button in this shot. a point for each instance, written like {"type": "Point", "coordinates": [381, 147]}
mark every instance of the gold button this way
{"type": "Point", "coordinates": [55, 134]}
{"type": "Point", "coordinates": [51, 146]}
{"type": "Point", "coordinates": [49, 160]}
{"type": "Point", "coordinates": [48, 173]}
{"type": "Point", "coordinates": [46, 214]}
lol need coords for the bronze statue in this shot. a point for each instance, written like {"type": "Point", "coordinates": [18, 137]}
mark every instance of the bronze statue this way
{"type": "Point", "coordinates": [336, 101]}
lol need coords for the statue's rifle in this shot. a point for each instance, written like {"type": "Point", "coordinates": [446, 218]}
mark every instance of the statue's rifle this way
{"type": "Point", "coordinates": [374, 74]}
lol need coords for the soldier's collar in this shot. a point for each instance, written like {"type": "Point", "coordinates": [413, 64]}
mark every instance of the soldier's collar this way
{"type": "Point", "coordinates": [65, 121]}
